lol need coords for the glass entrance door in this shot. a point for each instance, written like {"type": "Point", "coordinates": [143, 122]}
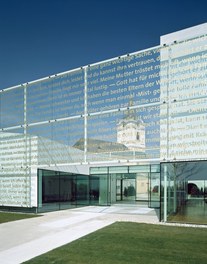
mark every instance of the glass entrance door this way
{"type": "Point", "coordinates": [129, 189]}
{"type": "Point", "coordinates": [142, 183]}
{"type": "Point", "coordinates": [125, 189]}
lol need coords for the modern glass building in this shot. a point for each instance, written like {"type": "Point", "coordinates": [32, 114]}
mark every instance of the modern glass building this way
{"type": "Point", "coordinates": [131, 128]}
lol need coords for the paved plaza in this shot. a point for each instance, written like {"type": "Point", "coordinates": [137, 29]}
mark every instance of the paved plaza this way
{"type": "Point", "coordinates": [25, 239]}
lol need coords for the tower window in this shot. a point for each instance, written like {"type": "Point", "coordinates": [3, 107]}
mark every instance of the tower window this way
{"type": "Point", "coordinates": [137, 137]}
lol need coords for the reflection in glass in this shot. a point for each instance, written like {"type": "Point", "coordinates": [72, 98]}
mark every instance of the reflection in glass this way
{"type": "Point", "coordinates": [56, 97]}
{"type": "Point", "coordinates": [113, 136]}
{"type": "Point", "coordinates": [94, 190]}
{"type": "Point", "coordinates": [128, 184]}
{"type": "Point", "coordinates": [134, 78]}
{"type": "Point", "coordinates": [186, 192]}
{"type": "Point", "coordinates": [61, 190]}
{"type": "Point", "coordinates": [12, 107]}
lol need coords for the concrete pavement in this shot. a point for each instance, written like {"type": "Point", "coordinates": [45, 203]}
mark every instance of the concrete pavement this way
{"type": "Point", "coordinates": [25, 239]}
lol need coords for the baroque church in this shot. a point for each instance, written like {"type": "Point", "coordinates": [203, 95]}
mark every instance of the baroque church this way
{"type": "Point", "coordinates": [130, 136]}
{"type": "Point", "coordinates": [131, 131]}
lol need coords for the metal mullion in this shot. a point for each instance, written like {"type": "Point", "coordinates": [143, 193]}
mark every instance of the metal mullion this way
{"type": "Point", "coordinates": [85, 113]}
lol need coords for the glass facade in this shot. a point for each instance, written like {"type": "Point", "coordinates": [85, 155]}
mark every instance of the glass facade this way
{"type": "Point", "coordinates": [129, 183]}
{"type": "Point", "coordinates": [61, 190]}
{"type": "Point", "coordinates": [105, 112]}
{"type": "Point", "coordinates": [184, 94]}
{"type": "Point", "coordinates": [130, 112]}
{"type": "Point", "coordinates": [186, 192]}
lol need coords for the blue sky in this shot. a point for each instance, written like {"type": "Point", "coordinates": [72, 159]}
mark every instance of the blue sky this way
{"type": "Point", "coordinates": [39, 38]}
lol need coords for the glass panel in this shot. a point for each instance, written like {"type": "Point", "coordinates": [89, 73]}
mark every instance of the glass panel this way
{"type": "Point", "coordinates": [131, 134]}
{"type": "Point", "coordinates": [164, 131]}
{"type": "Point", "coordinates": [162, 192]}
{"type": "Point", "coordinates": [58, 142]}
{"type": "Point", "coordinates": [69, 132]}
{"type": "Point", "coordinates": [104, 86]}
{"type": "Point", "coordinates": [15, 162]}
{"type": "Point", "coordinates": [186, 192]}
{"type": "Point", "coordinates": [13, 147]}
{"type": "Point", "coordinates": [155, 168]}
{"type": "Point", "coordinates": [139, 168]}
{"type": "Point", "coordinates": [183, 88]}
{"type": "Point", "coordinates": [118, 169]}
{"type": "Point", "coordinates": [187, 131]}
{"type": "Point", "coordinates": [39, 198]}
{"type": "Point", "coordinates": [39, 101]}
{"type": "Point", "coordinates": [142, 186]}
{"type": "Point", "coordinates": [82, 190]}
{"type": "Point", "coordinates": [154, 190]}
{"type": "Point", "coordinates": [94, 190]}
{"type": "Point", "coordinates": [67, 193]}
{"type": "Point", "coordinates": [68, 140]}
{"type": "Point", "coordinates": [99, 190]}
{"type": "Point", "coordinates": [126, 189]}
{"type": "Point", "coordinates": [15, 188]}
{"type": "Point", "coordinates": [50, 187]}
{"type": "Point", "coordinates": [134, 78]}
{"type": "Point", "coordinates": [104, 190]}
{"type": "Point", "coordinates": [12, 107]}
{"type": "Point", "coordinates": [56, 97]}
{"type": "Point", "coordinates": [99, 170]}
{"type": "Point", "coordinates": [188, 69]}
{"type": "Point", "coordinates": [112, 188]}
{"type": "Point", "coordinates": [119, 189]}
{"type": "Point", "coordinates": [68, 94]}
{"type": "Point", "coordinates": [61, 190]}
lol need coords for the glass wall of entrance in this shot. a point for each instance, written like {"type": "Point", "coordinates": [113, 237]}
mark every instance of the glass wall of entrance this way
{"type": "Point", "coordinates": [104, 186]}
{"type": "Point", "coordinates": [184, 192]}
{"type": "Point", "coordinates": [61, 190]}
{"type": "Point", "coordinates": [129, 183]}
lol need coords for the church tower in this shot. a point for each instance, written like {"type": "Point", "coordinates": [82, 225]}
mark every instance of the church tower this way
{"type": "Point", "coordinates": [131, 131]}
